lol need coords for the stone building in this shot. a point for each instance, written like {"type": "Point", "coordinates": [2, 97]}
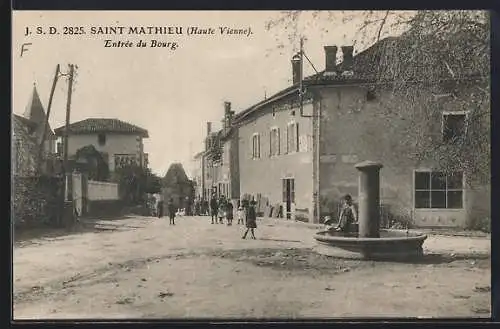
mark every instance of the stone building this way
{"type": "Point", "coordinates": [177, 186]}
{"type": "Point", "coordinates": [221, 164]}
{"type": "Point", "coordinates": [302, 157]}
{"type": "Point", "coordinates": [197, 172]}
{"type": "Point", "coordinates": [120, 143]}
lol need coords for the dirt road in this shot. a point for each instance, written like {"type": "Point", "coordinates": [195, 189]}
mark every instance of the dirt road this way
{"type": "Point", "coordinates": [142, 267]}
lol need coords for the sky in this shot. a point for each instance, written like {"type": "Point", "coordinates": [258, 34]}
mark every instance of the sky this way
{"type": "Point", "coordinates": [172, 94]}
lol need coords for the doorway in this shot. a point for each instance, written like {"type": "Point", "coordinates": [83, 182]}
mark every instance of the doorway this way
{"type": "Point", "coordinates": [288, 195]}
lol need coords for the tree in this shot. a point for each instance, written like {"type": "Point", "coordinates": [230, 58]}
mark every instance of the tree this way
{"type": "Point", "coordinates": [135, 181]}
{"type": "Point", "coordinates": [95, 164]}
{"type": "Point", "coordinates": [436, 54]}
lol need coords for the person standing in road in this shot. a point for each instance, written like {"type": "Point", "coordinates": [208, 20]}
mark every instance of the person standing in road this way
{"type": "Point", "coordinates": [229, 213]}
{"type": "Point", "coordinates": [213, 208]}
{"type": "Point", "coordinates": [171, 211]}
{"type": "Point", "coordinates": [222, 207]}
{"type": "Point", "coordinates": [241, 214]}
{"type": "Point", "coordinates": [251, 220]}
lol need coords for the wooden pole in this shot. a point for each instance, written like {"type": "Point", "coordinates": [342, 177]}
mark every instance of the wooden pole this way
{"type": "Point", "coordinates": [65, 168]}
{"type": "Point", "coordinates": [46, 123]}
{"type": "Point", "coordinates": [66, 128]}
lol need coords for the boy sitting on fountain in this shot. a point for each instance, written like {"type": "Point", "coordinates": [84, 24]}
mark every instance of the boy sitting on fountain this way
{"type": "Point", "coordinates": [348, 215]}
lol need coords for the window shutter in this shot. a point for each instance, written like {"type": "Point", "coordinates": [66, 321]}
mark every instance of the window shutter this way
{"type": "Point", "coordinates": [287, 138]}
{"type": "Point", "coordinates": [278, 141]}
{"type": "Point", "coordinates": [258, 146]}
{"type": "Point", "coordinates": [297, 137]}
{"type": "Point", "coordinates": [253, 146]}
{"type": "Point", "coordinates": [284, 189]}
{"type": "Point", "coordinates": [271, 144]}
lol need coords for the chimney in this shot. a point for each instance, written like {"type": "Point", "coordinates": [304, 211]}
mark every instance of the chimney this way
{"type": "Point", "coordinates": [209, 128]}
{"type": "Point", "coordinates": [227, 108]}
{"type": "Point", "coordinates": [330, 58]}
{"type": "Point", "coordinates": [347, 63]}
{"type": "Point", "coordinates": [228, 116]}
{"type": "Point", "coordinates": [296, 69]}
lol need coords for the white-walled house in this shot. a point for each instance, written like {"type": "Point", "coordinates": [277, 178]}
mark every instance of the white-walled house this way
{"type": "Point", "coordinates": [119, 142]}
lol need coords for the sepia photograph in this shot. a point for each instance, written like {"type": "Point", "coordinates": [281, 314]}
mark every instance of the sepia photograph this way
{"type": "Point", "coordinates": [251, 165]}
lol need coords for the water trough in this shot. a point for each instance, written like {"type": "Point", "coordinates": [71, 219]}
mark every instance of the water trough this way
{"type": "Point", "coordinates": [367, 240]}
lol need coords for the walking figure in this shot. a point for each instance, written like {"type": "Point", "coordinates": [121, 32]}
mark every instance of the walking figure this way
{"type": "Point", "coordinates": [171, 211]}
{"type": "Point", "coordinates": [241, 215]}
{"type": "Point", "coordinates": [213, 208]}
{"type": "Point", "coordinates": [222, 206]}
{"type": "Point", "coordinates": [229, 213]}
{"type": "Point", "coordinates": [251, 220]}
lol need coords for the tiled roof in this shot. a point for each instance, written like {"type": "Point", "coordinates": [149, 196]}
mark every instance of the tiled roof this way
{"type": "Point", "coordinates": [102, 125]}
{"type": "Point", "coordinates": [372, 65]}
{"type": "Point", "coordinates": [360, 75]}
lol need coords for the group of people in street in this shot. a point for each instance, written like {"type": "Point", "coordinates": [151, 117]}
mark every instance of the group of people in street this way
{"type": "Point", "coordinates": [246, 213]}
{"type": "Point", "coordinates": [219, 209]}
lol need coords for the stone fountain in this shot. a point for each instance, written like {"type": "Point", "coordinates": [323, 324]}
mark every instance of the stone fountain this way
{"type": "Point", "coordinates": [370, 242]}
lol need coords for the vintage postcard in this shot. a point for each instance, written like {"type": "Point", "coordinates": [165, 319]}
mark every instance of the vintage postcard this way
{"type": "Point", "coordinates": [251, 164]}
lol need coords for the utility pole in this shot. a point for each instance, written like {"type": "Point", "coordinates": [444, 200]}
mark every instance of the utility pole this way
{"type": "Point", "coordinates": [46, 123]}
{"type": "Point", "coordinates": [64, 208]}
{"type": "Point", "coordinates": [66, 129]}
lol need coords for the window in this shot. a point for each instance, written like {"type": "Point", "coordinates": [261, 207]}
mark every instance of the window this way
{"type": "Point", "coordinates": [288, 190]}
{"type": "Point", "coordinates": [101, 139]}
{"type": "Point", "coordinates": [454, 124]}
{"type": "Point", "coordinates": [438, 190]}
{"type": "Point", "coordinates": [274, 142]}
{"type": "Point", "coordinates": [256, 146]}
{"type": "Point", "coordinates": [125, 160]}
{"type": "Point", "coordinates": [292, 142]}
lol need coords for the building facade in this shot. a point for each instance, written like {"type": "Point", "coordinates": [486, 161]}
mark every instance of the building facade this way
{"type": "Point", "coordinates": [275, 156]}
{"type": "Point", "coordinates": [221, 159]}
{"type": "Point", "coordinates": [197, 173]}
{"type": "Point", "coordinates": [120, 143]}
{"type": "Point", "coordinates": [301, 158]}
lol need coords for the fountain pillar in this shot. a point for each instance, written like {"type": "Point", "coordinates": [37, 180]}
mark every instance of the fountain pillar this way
{"type": "Point", "coordinates": [369, 199]}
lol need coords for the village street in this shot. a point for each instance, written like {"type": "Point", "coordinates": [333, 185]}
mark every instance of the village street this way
{"type": "Point", "coordinates": [141, 267]}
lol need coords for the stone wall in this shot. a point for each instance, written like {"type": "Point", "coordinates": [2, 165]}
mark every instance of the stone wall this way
{"type": "Point", "coordinates": [34, 201]}
{"type": "Point", "coordinates": [101, 191]}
